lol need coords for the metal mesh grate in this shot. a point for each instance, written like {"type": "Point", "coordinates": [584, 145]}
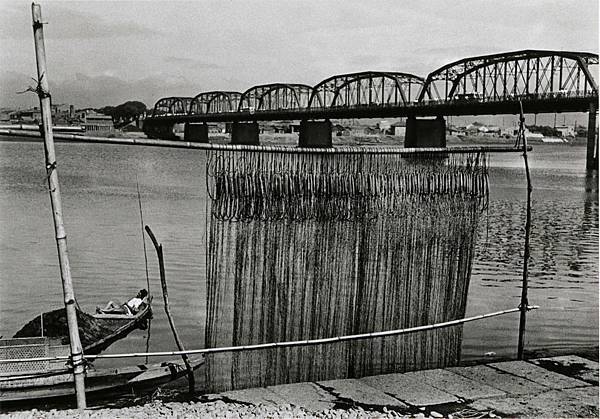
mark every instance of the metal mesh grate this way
{"type": "Point", "coordinates": [23, 348]}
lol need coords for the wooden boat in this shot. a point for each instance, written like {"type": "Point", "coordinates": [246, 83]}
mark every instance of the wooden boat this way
{"type": "Point", "coordinates": [96, 331]}
{"type": "Point", "coordinates": [51, 379]}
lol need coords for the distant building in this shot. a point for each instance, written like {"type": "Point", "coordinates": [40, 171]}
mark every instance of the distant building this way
{"type": "Point", "coordinates": [509, 131]}
{"type": "Point", "coordinates": [471, 130]}
{"type": "Point", "coordinates": [384, 126]}
{"type": "Point", "coordinates": [553, 140]}
{"type": "Point", "coordinates": [399, 128]}
{"type": "Point", "coordinates": [63, 113]}
{"type": "Point", "coordinates": [216, 128]}
{"type": "Point", "coordinates": [533, 135]}
{"type": "Point", "coordinates": [96, 122]}
{"type": "Point", "coordinates": [32, 115]}
{"type": "Point", "coordinates": [565, 131]}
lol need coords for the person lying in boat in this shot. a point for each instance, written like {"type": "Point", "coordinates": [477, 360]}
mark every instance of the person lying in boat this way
{"type": "Point", "coordinates": [130, 308]}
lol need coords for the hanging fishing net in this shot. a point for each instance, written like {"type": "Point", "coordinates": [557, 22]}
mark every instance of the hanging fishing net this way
{"type": "Point", "coordinates": [315, 245]}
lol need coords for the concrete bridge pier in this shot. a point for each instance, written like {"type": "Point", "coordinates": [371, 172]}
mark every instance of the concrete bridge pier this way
{"type": "Point", "coordinates": [315, 134]}
{"type": "Point", "coordinates": [592, 141]}
{"type": "Point", "coordinates": [195, 133]}
{"type": "Point", "coordinates": [245, 133]}
{"type": "Point", "coordinates": [159, 130]}
{"type": "Point", "coordinates": [423, 132]}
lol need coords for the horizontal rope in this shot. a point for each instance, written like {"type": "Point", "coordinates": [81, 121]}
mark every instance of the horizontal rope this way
{"type": "Point", "coordinates": [277, 344]}
{"type": "Point", "coordinates": [271, 148]}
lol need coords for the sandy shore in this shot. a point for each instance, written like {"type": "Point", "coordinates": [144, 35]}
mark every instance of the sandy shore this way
{"type": "Point", "coordinates": [216, 409]}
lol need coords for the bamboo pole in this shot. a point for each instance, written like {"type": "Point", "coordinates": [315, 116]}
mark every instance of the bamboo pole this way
{"type": "Point", "coordinates": [524, 287]}
{"type": "Point", "coordinates": [165, 293]}
{"type": "Point", "coordinates": [288, 344]}
{"type": "Point", "coordinates": [137, 185]}
{"type": "Point", "coordinates": [60, 233]}
{"type": "Point", "coordinates": [268, 149]}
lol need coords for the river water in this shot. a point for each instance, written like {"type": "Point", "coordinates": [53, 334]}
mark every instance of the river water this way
{"type": "Point", "coordinates": [102, 219]}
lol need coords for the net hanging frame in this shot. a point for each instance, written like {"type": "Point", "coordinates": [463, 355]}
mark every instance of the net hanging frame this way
{"type": "Point", "coordinates": [240, 163]}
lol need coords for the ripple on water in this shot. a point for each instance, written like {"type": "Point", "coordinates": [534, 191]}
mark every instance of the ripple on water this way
{"type": "Point", "coordinates": [102, 219]}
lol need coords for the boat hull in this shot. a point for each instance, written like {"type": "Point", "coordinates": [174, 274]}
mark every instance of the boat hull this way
{"type": "Point", "coordinates": [58, 384]}
{"type": "Point", "coordinates": [96, 333]}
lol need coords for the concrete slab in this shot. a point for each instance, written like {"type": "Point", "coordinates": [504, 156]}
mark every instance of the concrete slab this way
{"type": "Point", "coordinates": [255, 396]}
{"type": "Point", "coordinates": [572, 366]}
{"type": "Point", "coordinates": [361, 393]}
{"type": "Point", "coordinates": [406, 389]}
{"type": "Point", "coordinates": [306, 395]}
{"type": "Point", "coordinates": [586, 396]}
{"type": "Point", "coordinates": [550, 404]}
{"type": "Point", "coordinates": [456, 384]}
{"type": "Point", "coordinates": [501, 380]}
{"type": "Point", "coordinates": [538, 374]}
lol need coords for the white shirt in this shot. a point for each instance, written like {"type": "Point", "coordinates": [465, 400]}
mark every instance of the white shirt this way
{"type": "Point", "coordinates": [135, 303]}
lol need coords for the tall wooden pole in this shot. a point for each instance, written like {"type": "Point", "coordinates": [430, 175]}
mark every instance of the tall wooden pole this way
{"type": "Point", "coordinates": [524, 306]}
{"type": "Point", "coordinates": [591, 162]}
{"type": "Point", "coordinates": [59, 228]}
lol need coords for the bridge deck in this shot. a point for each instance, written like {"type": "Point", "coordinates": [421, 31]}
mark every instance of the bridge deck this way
{"type": "Point", "coordinates": [433, 108]}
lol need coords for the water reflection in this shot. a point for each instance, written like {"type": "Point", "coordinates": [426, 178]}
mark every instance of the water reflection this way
{"type": "Point", "coordinates": [102, 219]}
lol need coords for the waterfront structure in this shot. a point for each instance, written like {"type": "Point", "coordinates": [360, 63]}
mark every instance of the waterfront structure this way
{"type": "Point", "coordinates": [96, 122]}
{"type": "Point", "coordinates": [565, 131]}
{"type": "Point", "coordinates": [534, 136]}
{"type": "Point", "coordinates": [26, 115]}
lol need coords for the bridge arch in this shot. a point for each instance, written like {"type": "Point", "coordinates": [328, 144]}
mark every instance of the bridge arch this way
{"type": "Point", "coordinates": [512, 75]}
{"type": "Point", "coordinates": [214, 102]}
{"type": "Point", "coordinates": [276, 96]}
{"type": "Point", "coordinates": [171, 106]}
{"type": "Point", "coordinates": [366, 88]}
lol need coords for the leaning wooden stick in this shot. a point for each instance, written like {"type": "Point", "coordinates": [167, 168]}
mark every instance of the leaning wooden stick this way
{"type": "Point", "coordinates": [163, 282]}
{"type": "Point", "coordinates": [524, 300]}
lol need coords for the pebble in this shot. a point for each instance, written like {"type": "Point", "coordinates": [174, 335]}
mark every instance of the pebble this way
{"type": "Point", "coordinates": [215, 409]}
{"type": "Point", "coordinates": [435, 414]}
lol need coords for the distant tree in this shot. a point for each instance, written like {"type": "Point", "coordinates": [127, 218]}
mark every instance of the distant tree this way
{"type": "Point", "coordinates": [545, 130]}
{"type": "Point", "coordinates": [124, 113]}
{"type": "Point", "coordinates": [107, 110]}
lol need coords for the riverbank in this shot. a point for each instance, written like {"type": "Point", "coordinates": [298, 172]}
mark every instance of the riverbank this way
{"type": "Point", "coordinates": [292, 139]}
{"type": "Point", "coordinates": [564, 386]}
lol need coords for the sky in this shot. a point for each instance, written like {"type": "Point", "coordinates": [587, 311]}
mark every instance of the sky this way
{"type": "Point", "coordinates": [105, 53]}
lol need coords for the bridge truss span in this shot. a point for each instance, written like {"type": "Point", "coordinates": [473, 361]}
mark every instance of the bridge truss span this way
{"type": "Point", "coordinates": [370, 88]}
{"type": "Point", "coordinates": [169, 106]}
{"type": "Point", "coordinates": [275, 97]}
{"type": "Point", "coordinates": [215, 102]}
{"type": "Point", "coordinates": [505, 77]}
{"type": "Point", "coordinates": [544, 81]}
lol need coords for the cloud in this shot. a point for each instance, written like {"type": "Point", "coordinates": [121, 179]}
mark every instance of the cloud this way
{"type": "Point", "coordinates": [191, 62]}
{"type": "Point", "coordinates": [87, 91]}
{"type": "Point", "coordinates": [65, 24]}
{"type": "Point", "coordinates": [12, 82]}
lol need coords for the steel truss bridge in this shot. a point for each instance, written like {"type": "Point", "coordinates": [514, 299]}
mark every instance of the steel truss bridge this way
{"type": "Point", "coordinates": [544, 81]}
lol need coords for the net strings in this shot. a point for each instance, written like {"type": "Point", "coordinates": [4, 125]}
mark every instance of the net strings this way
{"type": "Point", "coordinates": [304, 246]}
